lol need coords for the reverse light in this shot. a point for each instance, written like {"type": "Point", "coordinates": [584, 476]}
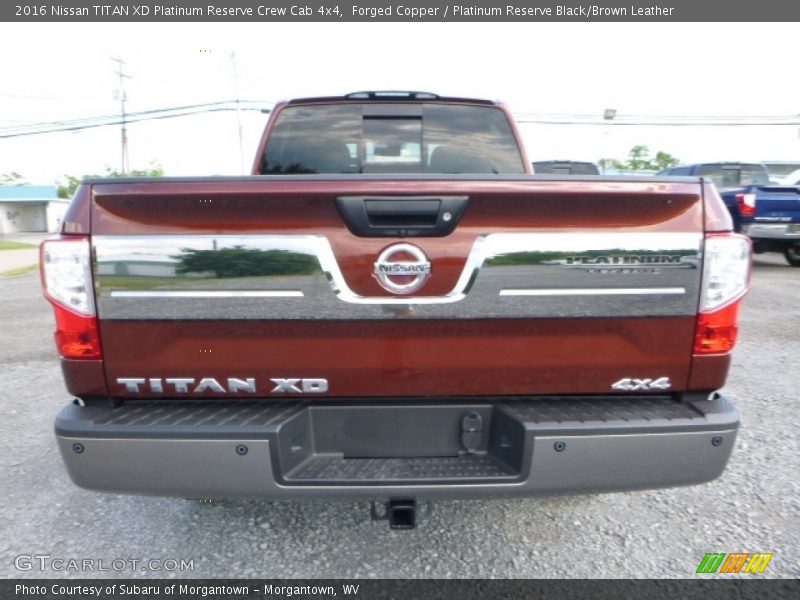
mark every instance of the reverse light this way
{"type": "Point", "coordinates": [726, 276]}
{"type": "Point", "coordinates": [67, 281]}
{"type": "Point", "coordinates": [746, 204]}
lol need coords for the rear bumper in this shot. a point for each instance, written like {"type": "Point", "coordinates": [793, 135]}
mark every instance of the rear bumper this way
{"type": "Point", "coordinates": [777, 232]}
{"type": "Point", "coordinates": [279, 449]}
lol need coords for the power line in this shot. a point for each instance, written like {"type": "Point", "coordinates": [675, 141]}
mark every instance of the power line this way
{"type": "Point", "coordinates": [594, 116]}
{"type": "Point", "coordinates": [658, 120]}
{"type": "Point", "coordinates": [666, 123]}
{"type": "Point", "coordinates": [108, 120]}
{"type": "Point", "coordinates": [46, 127]}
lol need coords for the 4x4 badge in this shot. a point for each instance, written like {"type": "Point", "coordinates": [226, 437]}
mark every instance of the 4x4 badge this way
{"type": "Point", "coordinates": [630, 384]}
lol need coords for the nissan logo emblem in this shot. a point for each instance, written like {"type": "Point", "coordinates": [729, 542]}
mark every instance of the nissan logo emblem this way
{"type": "Point", "coordinates": [402, 268]}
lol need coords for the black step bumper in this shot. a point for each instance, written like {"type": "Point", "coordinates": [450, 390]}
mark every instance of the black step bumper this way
{"type": "Point", "coordinates": [460, 448]}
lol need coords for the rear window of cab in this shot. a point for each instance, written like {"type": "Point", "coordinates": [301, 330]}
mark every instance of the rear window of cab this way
{"type": "Point", "coordinates": [391, 138]}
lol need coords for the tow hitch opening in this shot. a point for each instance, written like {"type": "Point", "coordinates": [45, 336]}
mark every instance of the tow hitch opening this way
{"type": "Point", "coordinates": [401, 513]}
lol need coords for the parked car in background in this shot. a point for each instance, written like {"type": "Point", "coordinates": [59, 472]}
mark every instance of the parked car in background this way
{"type": "Point", "coordinates": [724, 174]}
{"type": "Point", "coordinates": [769, 214]}
{"type": "Point", "coordinates": [564, 167]}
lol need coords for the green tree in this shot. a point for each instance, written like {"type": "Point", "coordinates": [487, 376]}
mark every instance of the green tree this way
{"type": "Point", "coordinates": [665, 160]}
{"type": "Point", "coordinates": [246, 262]}
{"type": "Point", "coordinates": [69, 183]}
{"type": "Point", "coordinates": [639, 160]}
{"type": "Point", "coordinates": [11, 178]}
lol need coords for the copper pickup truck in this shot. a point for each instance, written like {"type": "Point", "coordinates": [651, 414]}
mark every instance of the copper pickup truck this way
{"type": "Point", "coordinates": [394, 307]}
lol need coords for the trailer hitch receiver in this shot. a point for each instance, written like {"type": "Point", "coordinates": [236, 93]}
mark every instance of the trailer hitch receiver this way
{"type": "Point", "coordinates": [400, 512]}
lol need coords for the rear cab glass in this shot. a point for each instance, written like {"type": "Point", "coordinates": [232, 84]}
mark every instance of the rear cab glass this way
{"type": "Point", "coordinates": [391, 138]}
{"type": "Point", "coordinates": [779, 170]}
{"type": "Point", "coordinates": [565, 168]}
{"type": "Point", "coordinates": [735, 175]}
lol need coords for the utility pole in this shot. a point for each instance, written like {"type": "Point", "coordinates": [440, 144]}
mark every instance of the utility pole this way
{"type": "Point", "coordinates": [608, 119]}
{"type": "Point", "coordinates": [122, 98]}
{"type": "Point", "coordinates": [238, 109]}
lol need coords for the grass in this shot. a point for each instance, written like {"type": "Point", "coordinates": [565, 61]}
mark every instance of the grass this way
{"type": "Point", "coordinates": [7, 245]}
{"type": "Point", "coordinates": [19, 271]}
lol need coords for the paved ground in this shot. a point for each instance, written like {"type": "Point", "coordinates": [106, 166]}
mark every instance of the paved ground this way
{"type": "Point", "coordinates": [17, 259]}
{"type": "Point", "coordinates": [755, 506]}
{"type": "Point", "coordinates": [26, 237]}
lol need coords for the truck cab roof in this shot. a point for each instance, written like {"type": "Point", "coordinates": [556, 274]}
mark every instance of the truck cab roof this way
{"type": "Point", "coordinates": [390, 96]}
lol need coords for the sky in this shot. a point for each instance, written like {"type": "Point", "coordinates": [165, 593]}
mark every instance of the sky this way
{"type": "Point", "coordinates": [52, 72]}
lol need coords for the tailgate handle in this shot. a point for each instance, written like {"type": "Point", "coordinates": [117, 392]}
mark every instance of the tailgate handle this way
{"type": "Point", "coordinates": [402, 216]}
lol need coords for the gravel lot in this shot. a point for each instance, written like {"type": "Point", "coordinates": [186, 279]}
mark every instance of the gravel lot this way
{"type": "Point", "coordinates": [754, 506]}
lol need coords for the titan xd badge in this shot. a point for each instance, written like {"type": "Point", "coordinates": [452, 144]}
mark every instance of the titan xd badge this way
{"type": "Point", "coordinates": [231, 385]}
{"type": "Point", "coordinates": [402, 268]}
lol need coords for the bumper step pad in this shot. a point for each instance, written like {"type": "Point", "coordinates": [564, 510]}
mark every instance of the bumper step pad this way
{"type": "Point", "coordinates": [336, 469]}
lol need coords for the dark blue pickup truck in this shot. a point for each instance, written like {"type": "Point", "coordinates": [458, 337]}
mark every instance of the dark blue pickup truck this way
{"type": "Point", "coordinates": [768, 214]}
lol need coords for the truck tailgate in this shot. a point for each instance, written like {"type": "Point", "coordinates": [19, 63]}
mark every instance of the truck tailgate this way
{"type": "Point", "coordinates": [257, 286]}
{"type": "Point", "coordinates": [778, 204]}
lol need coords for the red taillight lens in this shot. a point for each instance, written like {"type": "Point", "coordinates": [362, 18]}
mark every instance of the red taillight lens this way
{"type": "Point", "coordinates": [67, 281]}
{"type": "Point", "coordinates": [716, 332]}
{"type": "Point", "coordinates": [726, 276]}
{"type": "Point", "coordinates": [747, 204]}
{"type": "Point", "coordinates": [77, 336]}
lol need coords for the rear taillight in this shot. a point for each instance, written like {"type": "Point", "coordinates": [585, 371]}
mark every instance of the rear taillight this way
{"type": "Point", "coordinates": [746, 204]}
{"type": "Point", "coordinates": [726, 276]}
{"type": "Point", "coordinates": [67, 280]}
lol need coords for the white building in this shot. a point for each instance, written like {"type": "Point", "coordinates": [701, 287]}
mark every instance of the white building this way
{"type": "Point", "coordinates": [30, 208]}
